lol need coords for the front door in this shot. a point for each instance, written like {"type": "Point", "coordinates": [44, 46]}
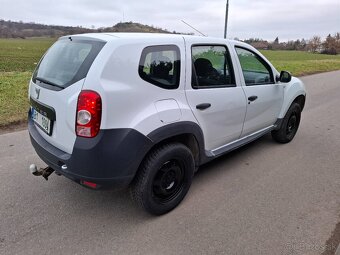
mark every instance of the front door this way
{"type": "Point", "coordinates": [216, 99]}
{"type": "Point", "coordinates": [264, 96]}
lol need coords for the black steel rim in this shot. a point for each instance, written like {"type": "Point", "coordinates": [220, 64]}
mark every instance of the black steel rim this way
{"type": "Point", "coordinates": [292, 124]}
{"type": "Point", "coordinates": [169, 181]}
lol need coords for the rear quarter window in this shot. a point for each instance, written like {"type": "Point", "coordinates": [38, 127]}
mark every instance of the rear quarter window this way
{"type": "Point", "coordinates": [160, 66]}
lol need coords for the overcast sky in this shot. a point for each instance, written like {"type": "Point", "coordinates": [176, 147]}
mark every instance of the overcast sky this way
{"type": "Point", "coordinates": [287, 19]}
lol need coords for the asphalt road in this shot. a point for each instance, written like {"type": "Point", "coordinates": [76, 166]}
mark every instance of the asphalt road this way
{"type": "Point", "coordinates": [265, 198]}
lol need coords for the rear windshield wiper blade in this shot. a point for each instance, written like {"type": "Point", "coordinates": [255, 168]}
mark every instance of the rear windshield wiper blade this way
{"type": "Point", "coordinates": [48, 82]}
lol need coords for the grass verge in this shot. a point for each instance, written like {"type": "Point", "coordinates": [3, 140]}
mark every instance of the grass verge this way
{"type": "Point", "coordinates": [301, 63]}
{"type": "Point", "coordinates": [13, 97]}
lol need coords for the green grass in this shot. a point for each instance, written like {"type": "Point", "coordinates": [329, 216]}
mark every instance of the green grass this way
{"type": "Point", "coordinates": [13, 97]}
{"type": "Point", "coordinates": [22, 55]}
{"type": "Point", "coordinates": [302, 63]}
{"type": "Point", "coordinates": [19, 57]}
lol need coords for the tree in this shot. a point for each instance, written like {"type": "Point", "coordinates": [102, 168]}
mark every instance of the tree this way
{"type": "Point", "coordinates": [337, 42]}
{"type": "Point", "coordinates": [314, 43]}
{"type": "Point", "coordinates": [303, 44]}
{"type": "Point", "coordinates": [329, 45]}
{"type": "Point", "coordinates": [297, 44]}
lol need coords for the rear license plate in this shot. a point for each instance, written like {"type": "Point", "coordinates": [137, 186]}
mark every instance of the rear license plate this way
{"type": "Point", "coordinates": [42, 121]}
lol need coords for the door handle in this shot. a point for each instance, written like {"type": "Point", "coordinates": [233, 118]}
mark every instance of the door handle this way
{"type": "Point", "coordinates": [252, 98]}
{"type": "Point", "coordinates": [203, 106]}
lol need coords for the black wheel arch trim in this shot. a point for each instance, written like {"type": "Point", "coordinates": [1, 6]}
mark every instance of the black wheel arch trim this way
{"type": "Point", "coordinates": [180, 128]}
{"type": "Point", "coordinates": [301, 100]}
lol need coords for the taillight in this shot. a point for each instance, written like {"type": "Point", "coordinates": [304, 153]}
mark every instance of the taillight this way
{"type": "Point", "coordinates": [89, 112]}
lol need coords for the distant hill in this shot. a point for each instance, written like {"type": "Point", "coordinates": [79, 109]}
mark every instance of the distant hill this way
{"type": "Point", "coordinates": [13, 29]}
{"type": "Point", "coordinates": [133, 27]}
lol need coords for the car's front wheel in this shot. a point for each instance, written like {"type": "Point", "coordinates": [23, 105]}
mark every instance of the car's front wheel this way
{"type": "Point", "coordinates": [163, 179]}
{"type": "Point", "coordinates": [289, 126]}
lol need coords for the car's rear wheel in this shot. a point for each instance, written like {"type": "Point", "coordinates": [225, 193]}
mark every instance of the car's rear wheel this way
{"type": "Point", "coordinates": [289, 126]}
{"type": "Point", "coordinates": [163, 179]}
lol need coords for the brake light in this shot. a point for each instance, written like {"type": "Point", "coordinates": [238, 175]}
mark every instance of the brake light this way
{"type": "Point", "coordinates": [89, 112]}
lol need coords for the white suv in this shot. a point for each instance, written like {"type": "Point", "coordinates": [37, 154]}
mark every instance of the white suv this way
{"type": "Point", "coordinates": [146, 110]}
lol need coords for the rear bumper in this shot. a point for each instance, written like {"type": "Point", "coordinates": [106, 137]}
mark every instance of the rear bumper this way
{"type": "Point", "coordinates": [111, 159]}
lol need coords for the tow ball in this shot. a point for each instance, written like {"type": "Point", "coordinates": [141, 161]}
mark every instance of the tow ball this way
{"type": "Point", "coordinates": [44, 172]}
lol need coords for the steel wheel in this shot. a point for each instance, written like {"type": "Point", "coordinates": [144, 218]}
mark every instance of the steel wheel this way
{"type": "Point", "coordinates": [168, 181]}
{"type": "Point", "coordinates": [164, 178]}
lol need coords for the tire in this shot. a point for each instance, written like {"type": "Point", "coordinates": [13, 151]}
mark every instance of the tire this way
{"type": "Point", "coordinates": [163, 178]}
{"type": "Point", "coordinates": [289, 126]}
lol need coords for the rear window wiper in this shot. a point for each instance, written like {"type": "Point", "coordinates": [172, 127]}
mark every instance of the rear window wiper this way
{"type": "Point", "coordinates": [48, 82]}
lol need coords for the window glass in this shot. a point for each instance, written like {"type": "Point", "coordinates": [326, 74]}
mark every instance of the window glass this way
{"type": "Point", "coordinates": [160, 65]}
{"type": "Point", "coordinates": [67, 61]}
{"type": "Point", "coordinates": [255, 70]}
{"type": "Point", "coordinates": [211, 67]}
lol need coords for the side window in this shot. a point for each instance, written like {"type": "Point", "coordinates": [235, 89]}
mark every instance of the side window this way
{"type": "Point", "coordinates": [160, 65]}
{"type": "Point", "coordinates": [255, 70]}
{"type": "Point", "coordinates": [211, 67]}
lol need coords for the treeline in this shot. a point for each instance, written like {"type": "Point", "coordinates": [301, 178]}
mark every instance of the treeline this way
{"type": "Point", "coordinates": [331, 45]}
{"type": "Point", "coordinates": [13, 29]}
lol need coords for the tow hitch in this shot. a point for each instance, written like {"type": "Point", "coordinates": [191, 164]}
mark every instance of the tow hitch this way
{"type": "Point", "coordinates": [44, 172]}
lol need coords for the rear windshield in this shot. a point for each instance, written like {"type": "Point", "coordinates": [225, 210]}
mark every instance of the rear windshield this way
{"type": "Point", "coordinates": [66, 62]}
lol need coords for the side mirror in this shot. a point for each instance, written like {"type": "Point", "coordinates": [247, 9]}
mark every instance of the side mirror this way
{"type": "Point", "coordinates": [285, 76]}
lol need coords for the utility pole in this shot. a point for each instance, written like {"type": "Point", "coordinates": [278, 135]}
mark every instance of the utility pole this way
{"type": "Point", "coordinates": [226, 19]}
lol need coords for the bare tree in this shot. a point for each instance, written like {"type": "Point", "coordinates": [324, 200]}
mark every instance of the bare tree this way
{"type": "Point", "coordinates": [314, 43]}
{"type": "Point", "coordinates": [329, 45]}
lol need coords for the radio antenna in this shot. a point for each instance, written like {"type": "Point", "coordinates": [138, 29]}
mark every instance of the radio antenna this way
{"type": "Point", "coordinates": [193, 28]}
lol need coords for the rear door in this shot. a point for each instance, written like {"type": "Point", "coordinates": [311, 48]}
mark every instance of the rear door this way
{"type": "Point", "coordinates": [214, 93]}
{"type": "Point", "coordinates": [264, 96]}
{"type": "Point", "coordinates": [55, 86]}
